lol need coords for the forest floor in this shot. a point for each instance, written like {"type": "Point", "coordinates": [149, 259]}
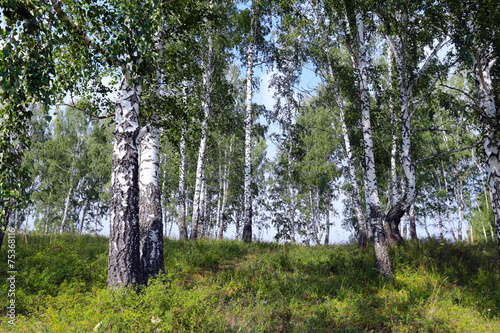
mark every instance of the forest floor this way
{"type": "Point", "coordinates": [228, 286]}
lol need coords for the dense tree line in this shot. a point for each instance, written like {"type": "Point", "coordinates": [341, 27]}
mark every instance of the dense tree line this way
{"type": "Point", "coordinates": [403, 122]}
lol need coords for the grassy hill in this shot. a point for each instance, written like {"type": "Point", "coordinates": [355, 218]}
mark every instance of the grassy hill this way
{"type": "Point", "coordinates": [212, 286]}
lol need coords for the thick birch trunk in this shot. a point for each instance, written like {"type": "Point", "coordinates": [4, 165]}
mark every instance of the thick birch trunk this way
{"type": "Point", "coordinates": [374, 213]}
{"type": "Point", "coordinates": [483, 61]}
{"type": "Point", "coordinates": [150, 213]}
{"type": "Point", "coordinates": [124, 266]}
{"type": "Point", "coordinates": [247, 227]}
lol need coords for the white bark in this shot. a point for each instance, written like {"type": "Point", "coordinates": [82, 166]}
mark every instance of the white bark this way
{"type": "Point", "coordinates": [124, 260]}
{"type": "Point", "coordinates": [458, 197]}
{"type": "Point", "coordinates": [150, 211]}
{"type": "Point", "coordinates": [393, 195]}
{"type": "Point", "coordinates": [66, 207]}
{"type": "Point", "coordinates": [247, 227]}
{"type": "Point", "coordinates": [200, 167]}
{"type": "Point", "coordinates": [483, 60]}
{"type": "Point", "coordinates": [225, 189]}
{"type": "Point", "coordinates": [355, 191]}
{"type": "Point", "coordinates": [181, 222]}
{"type": "Point", "coordinates": [373, 202]}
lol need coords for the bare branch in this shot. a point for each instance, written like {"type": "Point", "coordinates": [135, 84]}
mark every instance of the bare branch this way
{"type": "Point", "coordinates": [446, 153]}
{"type": "Point", "coordinates": [429, 130]}
{"type": "Point", "coordinates": [459, 90]}
{"type": "Point", "coordinates": [417, 104]}
{"type": "Point", "coordinates": [93, 116]}
{"type": "Point", "coordinates": [492, 63]}
{"type": "Point", "coordinates": [428, 61]}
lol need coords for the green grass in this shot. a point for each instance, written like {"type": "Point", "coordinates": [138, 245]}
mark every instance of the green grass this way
{"type": "Point", "coordinates": [212, 286]}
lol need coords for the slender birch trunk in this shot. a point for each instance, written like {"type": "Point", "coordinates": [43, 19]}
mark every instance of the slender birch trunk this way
{"type": "Point", "coordinates": [84, 214]}
{"type": "Point", "coordinates": [448, 205]}
{"type": "Point", "coordinates": [200, 167]}
{"type": "Point", "coordinates": [225, 189]}
{"type": "Point", "coordinates": [393, 195]}
{"type": "Point", "coordinates": [202, 214]}
{"type": "Point", "coordinates": [124, 266]}
{"type": "Point", "coordinates": [66, 207]}
{"type": "Point", "coordinates": [247, 227]}
{"type": "Point", "coordinates": [374, 213]}
{"type": "Point", "coordinates": [460, 215]}
{"type": "Point", "coordinates": [485, 198]}
{"type": "Point", "coordinates": [327, 220]}
{"type": "Point", "coordinates": [150, 211]}
{"type": "Point", "coordinates": [412, 221]}
{"type": "Point", "coordinates": [181, 219]}
{"type": "Point", "coordinates": [397, 210]}
{"type": "Point", "coordinates": [68, 197]}
{"type": "Point", "coordinates": [291, 192]}
{"type": "Point", "coordinates": [355, 192]}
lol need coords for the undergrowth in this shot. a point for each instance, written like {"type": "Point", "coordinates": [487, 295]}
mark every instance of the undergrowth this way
{"type": "Point", "coordinates": [228, 286]}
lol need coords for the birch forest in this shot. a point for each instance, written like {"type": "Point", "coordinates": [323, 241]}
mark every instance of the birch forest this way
{"type": "Point", "coordinates": [164, 125]}
{"type": "Point", "coordinates": [142, 121]}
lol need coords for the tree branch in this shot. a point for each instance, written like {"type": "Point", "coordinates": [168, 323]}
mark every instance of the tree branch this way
{"type": "Point", "coordinates": [86, 39]}
{"type": "Point", "coordinates": [459, 90]}
{"type": "Point", "coordinates": [428, 61]}
{"type": "Point", "coordinates": [430, 129]}
{"type": "Point", "coordinates": [446, 153]}
{"type": "Point", "coordinates": [94, 117]}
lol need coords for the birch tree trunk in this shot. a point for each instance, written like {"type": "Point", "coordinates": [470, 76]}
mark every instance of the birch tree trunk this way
{"type": "Point", "coordinates": [483, 61]}
{"type": "Point", "coordinates": [327, 220]}
{"type": "Point", "coordinates": [411, 220]}
{"type": "Point", "coordinates": [181, 221]}
{"type": "Point", "coordinates": [124, 266]}
{"type": "Point", "coordinates": [355, 192]}
{"type": "Point", "coordinates": [291, 192]}
{"type": "Point", "coordinates": [84, 214]}
{"type": "Point", "coordinates": [393, 195]}
{"type": "Point", "coordinates": [373, 210]}
{"type": "Point", "coordinates": [200, 167]}
{"type": "Point", "coordinates": [71, 177]}
{"type": "Point", "coordinates": [225, 189]}
{"type": "Point", "coordinates": [460, 215]}
{"type": "Point", "coordinates": [485, 198]}
{"type": "Point", "coordinates": [397, 210]}
{"type": "Point", "coordinates": [150, 212]}
{"type": "Point", "coordinates": [247, 227]}
{"type": "Point", "coordinates": [448, 205]}
{"type": "Point", "coordinates": [66, 206]}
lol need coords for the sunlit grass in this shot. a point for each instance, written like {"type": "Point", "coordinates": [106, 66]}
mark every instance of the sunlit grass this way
{"type": "Point", "coordinates": [228, 286]}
